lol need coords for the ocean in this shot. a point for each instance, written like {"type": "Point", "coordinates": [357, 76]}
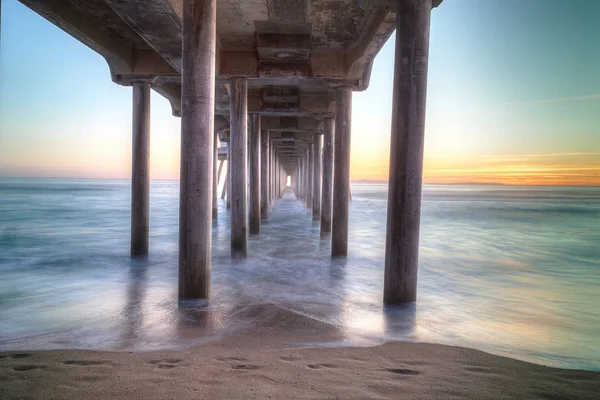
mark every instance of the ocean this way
{"type": "Point", "coordinates": [513, 271]}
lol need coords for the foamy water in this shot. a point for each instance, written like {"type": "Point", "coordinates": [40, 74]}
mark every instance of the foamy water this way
{"type": "Point", "coordinates": [513, 271]}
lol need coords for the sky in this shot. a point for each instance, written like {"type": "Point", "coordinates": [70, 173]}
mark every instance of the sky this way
{"type": "Point", "coordinates": [513, 98]}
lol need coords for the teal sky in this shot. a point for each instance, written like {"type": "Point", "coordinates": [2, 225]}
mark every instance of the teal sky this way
{"type": "Point", "coordinates": [513, 96]}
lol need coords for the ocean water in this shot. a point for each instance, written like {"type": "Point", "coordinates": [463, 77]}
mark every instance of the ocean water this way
{"type": "Point", "coordinates": [513, 271]}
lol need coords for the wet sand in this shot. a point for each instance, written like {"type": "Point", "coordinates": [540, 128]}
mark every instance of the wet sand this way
{"type": "Point", "coordinates": [265, 362]}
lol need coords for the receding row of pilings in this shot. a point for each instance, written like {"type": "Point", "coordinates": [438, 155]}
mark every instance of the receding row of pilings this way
{"type": "Point", "coordinates": [329, 170]}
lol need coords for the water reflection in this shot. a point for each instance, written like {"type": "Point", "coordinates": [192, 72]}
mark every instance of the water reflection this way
{"type": "Point", "coordinates": [337, 271]}
{"type": "Point", "coordinates": [133, 312]}
{"type": "Point", "coordinates": [400, 321]}
{"type": "Point", "coordinates": [195, 325]}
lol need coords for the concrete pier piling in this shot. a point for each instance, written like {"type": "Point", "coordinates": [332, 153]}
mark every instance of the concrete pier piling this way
{"type": "Point", "coordinates": [272, 175]}
{"type": "Point", "coordinates": [197, 147]}
{"type": "Point", "coordinates": [264, 174]}
{"type": "Point", "coordinates": [310, 174]}
{"type": "Point", "coordinates": [227, 187]}
{"type": "Point", "coordinates": [140, 175]}
{"type": "Point", "coordinates": [327, 181]}
{"type": "Point", "coordinates": [302, 179]}
{"type": "Point", "coordinates": [305, 170]}
{"type": "Point", "coordinates": [308, 179]}
{"type": "Point", "coordinates": [299, 179]}
{"type": "Point", "coordinates": [281, 182]}
{"type": "Point", "coordinates": [406, 151]}
{"type": "Point", "coordinates": [254, 173]}
{"type": "Point", "coordinates": [281, 186]}
{"type": "Point", "coordinates": [276, 178]}
{"type": "Point", "coordinates": [238, 172]}
{"type": "Point", "coordinates": [316, 209]}
{"type": "Point", "coordinates": [215, 198]}
{"type": "Point", "coordinates": [341, 172]}
{"type": "Point", "coordinates": [295, 179]}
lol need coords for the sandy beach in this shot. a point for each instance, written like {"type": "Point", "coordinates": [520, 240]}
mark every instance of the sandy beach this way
{"type": "Point", "coordinates": [263, 363]}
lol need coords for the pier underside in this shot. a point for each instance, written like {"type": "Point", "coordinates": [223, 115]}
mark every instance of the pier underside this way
{"type": "Point", "coordinates": [273, 79]}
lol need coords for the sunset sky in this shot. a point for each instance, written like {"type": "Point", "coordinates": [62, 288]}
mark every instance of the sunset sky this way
{"type": "Point", "coordinates": [513, 97]}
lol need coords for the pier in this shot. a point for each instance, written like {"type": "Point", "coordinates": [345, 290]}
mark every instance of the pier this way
{"type": "Point", "coordinates": [265, 87]}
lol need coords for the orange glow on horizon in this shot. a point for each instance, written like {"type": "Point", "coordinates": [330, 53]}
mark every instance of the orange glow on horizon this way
{"type": "Point", "coordinates": [563, 169]}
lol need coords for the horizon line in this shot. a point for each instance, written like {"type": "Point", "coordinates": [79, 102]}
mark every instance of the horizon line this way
{"type": "Point", "coordinates": [367, 181]}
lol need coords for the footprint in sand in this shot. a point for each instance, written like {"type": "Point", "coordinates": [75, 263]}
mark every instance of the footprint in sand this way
{"type": "Point", "coordinates": [290, 358]}
{"type": "Point", "coordinates": [403, 371]}
{"type": "Point", "coordinates": [319, 366]}
{"type": "Point", "coordinates": [166, 363]}
{"type": "Point", "coordinates": [85, 363]}
{"type": "Point", "coordinates": [18, 356]}
{"type": "Point", "coordinates": [22, 368]}
{"type": "Point", "coordinates": [245, 366]}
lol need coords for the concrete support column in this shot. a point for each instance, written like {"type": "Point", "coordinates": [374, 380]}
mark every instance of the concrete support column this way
{"type": "Point", "coordinates": [271, 173]}
{"type": "Point", "coordinates": [305, 177]}
{"type": "Point", "coordinates": [281, 182]}
{"type": "Point", "coordinates": [300, 178]}
{"type": "Point", "coordinates": [279, 179]}
{"type": "Point", "coordinates": [238, 173]}
{"type": "Point", "coordinates": [276, 178]}
{"type": "Point", "coordinates": [298, 183]}
{"type": "Point", "coordinates": [215, 199]}
{"type": "Point", "coordinates": [316, 210]}
{"type": "Point", "coordinates": [311, 171]}
{"type": "Point", "coordinates": [228, 182]}
{"type": "Point", "coordinates": [406, 151]}
{"type": "Point", "coordinates": [197, 147]}
{"type": "Point", "coordinates": [341, 174]}
{"type": "Point", "coordinates": [255, 178]}
{"type": "Point", "coordinates": [279, 185]}
{"type": "Point", "coordinates": [140, 176]}
{"type": "Point", "coordinates": [326, 196]}
{"type": "Point", "coordinates": [264, 175]}
{"type": "Point", "coordinates": [297, 180]}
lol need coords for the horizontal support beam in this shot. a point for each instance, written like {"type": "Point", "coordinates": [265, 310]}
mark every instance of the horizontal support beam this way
{"type": "Point", "coordinates": [155, 21]}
